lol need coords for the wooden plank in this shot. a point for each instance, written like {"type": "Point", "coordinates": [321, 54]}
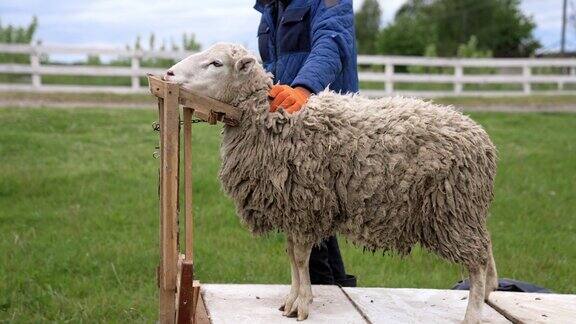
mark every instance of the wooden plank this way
{"type": "Point", "coordinates": [535, 308]}
{"type": "Point", "coordinates": [189, 220]}
{"type": "Point", "coordinates": [203, 106]}
{"type": "Point", "coordinates": [201, 316]}
{"type": "Point", "coordinates": [195, 100]}
{"type": "Point", "coordinates": [78, 70]}
{"type": "Point", "coordinates": [259, 304]}
{"type": "Point", "coordinates": [185, 293]}
{"type": "Point", "coordinates": [97, 70]}
{"type": "Point", "coordinates": [468, 79]}
{"type": "Point", "coordinates": [467, 62]}
{"type": "Point", "coordinates": [65, 49]}
{"type": "Point", "coordinates": [169, 131]}
{"type": "Point", "coordinates": [399, 305]}
{"type": "Point", "coordinates": [165, 295]}
{"type": "Point", "coordinates": [435, 94]}
{"type": "Point", "coordinates": [16, 68]}
{"type": "Point", "coordinates": [87, 50]}
{"type": "Point", "coordinates": [362, 59]}
{"type": "Point", "coordinates": [15, 48]}
{"type": "Point", "coordinates": [195, 295]}
{"type": "Point", "coordinates": [157, 86]}
{"type": "Point", "coordinates": [159, 276]}
{"type": "Point", "coordinates": [70, 88]}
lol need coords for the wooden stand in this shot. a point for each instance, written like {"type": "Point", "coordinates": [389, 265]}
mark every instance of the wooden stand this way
{"type": "Point", "coordinates": [179, 292]}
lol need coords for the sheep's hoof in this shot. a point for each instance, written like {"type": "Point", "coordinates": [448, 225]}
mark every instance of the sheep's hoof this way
{"type": "Point", "coordinates": [300, 308]}
{"type": "Point", "coordinates": [289, 304]}
{"type": "Point", "coordinates": [302, 316]}
{"type": "Point", "coordinates": [292, 314]}
{"type": "Point", "coordinates": [281, 308]}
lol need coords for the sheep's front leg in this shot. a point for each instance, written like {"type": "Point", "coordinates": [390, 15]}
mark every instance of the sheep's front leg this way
{"type": "Point", "coordinates": [476, 294]}
{"type": "Point", "coordinates": [300, 307]}
{"type": "Point", "coordinates": [291, 298]}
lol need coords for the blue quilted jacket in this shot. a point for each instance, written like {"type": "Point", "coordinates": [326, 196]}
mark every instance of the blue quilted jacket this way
{"type": "Point", "coordinates": [309, 43]}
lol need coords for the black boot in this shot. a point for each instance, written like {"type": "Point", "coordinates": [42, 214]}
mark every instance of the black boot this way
{"type": "Point", "coordinates": [327, 267]}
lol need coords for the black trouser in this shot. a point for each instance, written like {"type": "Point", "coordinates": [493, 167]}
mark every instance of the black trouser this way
{"type": "Point", "coordinates": [326, 266]}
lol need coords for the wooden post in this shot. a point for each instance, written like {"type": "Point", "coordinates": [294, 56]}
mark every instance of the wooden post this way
{"type": "Point", "coordinates": [189, 250]}
{"type": "Point", "coordinates": [35, 65]}
{"type": "Point", "coordinates": [571, 72]}
{"type": "Point", "coordinates": [186, 294]}
{"type": "Point", "coordinates": [527, 73]}
{"type": "Point", "coordinates": [186, 303]}
{"type": "Point", "coordinates": [458, 74]}
{"type": "Point", "coordinates": [389, 74]}
{"type": "Point", "coordinates": [179, 292]}
{"type": "Point", "coordinates": [135, 79]}
{"type": "Point", "coordinates": [169, 132]}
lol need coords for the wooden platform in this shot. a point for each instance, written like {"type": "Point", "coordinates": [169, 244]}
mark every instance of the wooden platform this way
{"type": "Point", "coordinates": [535, 308]}
{"type": "Point", "coordinates": [259, 304]}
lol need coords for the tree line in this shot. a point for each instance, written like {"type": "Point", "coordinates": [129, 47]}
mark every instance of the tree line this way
{"type": "Point", "coordinates": [17, 35]}
{"type": "Point", "coordinates": [26, 34]}
{"type": "Point", "coordinates": [448, 28]}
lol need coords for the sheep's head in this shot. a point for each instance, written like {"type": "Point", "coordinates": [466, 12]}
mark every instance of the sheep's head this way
{"type": "Point", "coordinates": [221, 72]}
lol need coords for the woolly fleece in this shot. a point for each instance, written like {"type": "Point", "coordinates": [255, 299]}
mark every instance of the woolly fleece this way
{"type": "Point", "coordinates": [386, 173]}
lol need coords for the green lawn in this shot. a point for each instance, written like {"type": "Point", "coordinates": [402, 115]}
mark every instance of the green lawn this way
{"type": "Point", "coordinates": [146, 100]}
{"type": "Point", "coordinates": [79, 220]}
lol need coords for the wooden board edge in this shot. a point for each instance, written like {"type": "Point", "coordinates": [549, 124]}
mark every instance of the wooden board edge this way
{"type": "Point", "coordinates": [170, 135]}
{"type": "Point", "coordinates": [193, 98]}
{"type": "Point", "coordinates": [185, 293]}
{"type": "Point", "coordinates": [156, 85]}
{"type": "Point", "coordinates": [503, 312]}
{"type": "Point", "coordinates": [356, 306]}
{"type": "Point", "coordinates": [195, 294]}
{"type": "Point", "coordinates": [202, 315]}
{"type": "Point", "coordinates": [204, 107]}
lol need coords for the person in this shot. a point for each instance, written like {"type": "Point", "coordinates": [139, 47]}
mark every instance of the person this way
{"type": "Point", "coordinates": [310, 45]}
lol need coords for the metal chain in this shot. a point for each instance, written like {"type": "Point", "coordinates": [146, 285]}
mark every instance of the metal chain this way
{"type": "Point", "coordinates": [156, 128]}
{"type": "Point", "coordinates": [156, 153]}
{"type": "Point", "coordinates": [194, 121]}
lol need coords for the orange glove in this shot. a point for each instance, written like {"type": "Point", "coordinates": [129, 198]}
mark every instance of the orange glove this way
{"type": "Point", "coordinates": [290, 99]}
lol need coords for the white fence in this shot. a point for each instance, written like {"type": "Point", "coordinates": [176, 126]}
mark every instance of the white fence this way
{"type": "Point", "coordinates": [379, 75]}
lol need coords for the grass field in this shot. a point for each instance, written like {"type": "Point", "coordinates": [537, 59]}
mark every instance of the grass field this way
{"type": "Point", "coordinates": [79, 220]}
{"type": "Point", "coordinates": [147, 100]}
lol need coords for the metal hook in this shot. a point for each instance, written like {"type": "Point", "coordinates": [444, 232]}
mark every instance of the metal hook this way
{"type": "Point", "coordinates": [156, 126]}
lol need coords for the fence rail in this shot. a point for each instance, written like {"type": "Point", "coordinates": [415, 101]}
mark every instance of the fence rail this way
{"type": "Point", "coordinates": [379, 75]}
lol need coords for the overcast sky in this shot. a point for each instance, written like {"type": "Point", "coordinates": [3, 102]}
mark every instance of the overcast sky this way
{"type": "Point", "coordinates": [118, 22]}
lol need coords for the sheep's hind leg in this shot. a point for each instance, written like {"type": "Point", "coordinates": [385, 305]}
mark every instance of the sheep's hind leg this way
{"type": "Point", "coordinates": [491, 274]}
{"type": "Point", "coordinates": [291, 298]}
{"type": "Point", "coordinates": [476, 295]}
{"type": "Point", "coordinates": [301, 306]}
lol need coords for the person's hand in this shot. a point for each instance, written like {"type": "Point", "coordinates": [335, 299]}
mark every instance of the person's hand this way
{"type": "Point", "coordinates": [290, 99]}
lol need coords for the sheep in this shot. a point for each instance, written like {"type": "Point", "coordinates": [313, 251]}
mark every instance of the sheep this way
{"type": "Point", "coordinates": [386, 173]}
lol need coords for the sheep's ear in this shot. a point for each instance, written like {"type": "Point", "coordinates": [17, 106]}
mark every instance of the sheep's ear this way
{"type": "Point", "coordinates": [245, 64]}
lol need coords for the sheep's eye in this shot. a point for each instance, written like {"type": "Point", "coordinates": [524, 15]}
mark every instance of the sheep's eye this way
{"type": "Point", "coordinates": [216, 63]}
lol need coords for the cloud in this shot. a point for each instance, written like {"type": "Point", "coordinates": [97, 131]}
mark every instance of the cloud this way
{"type": "Point", "coordinates": [118, 22]}
{"type": "Point", "coordinates": [548, 18]}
